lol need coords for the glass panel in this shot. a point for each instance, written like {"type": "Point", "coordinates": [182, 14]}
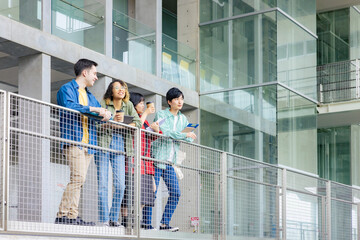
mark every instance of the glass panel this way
{"type": "Point", "coordinates": [296, 58]}
{"type": "Point", "coordinates": [333, 36]}
{"type": "Point", "coordinates": [334, 154]}
{"type": "Point", "coordinates": [27, 12]}
{"type": "Point", "coordinates": [355, 32]}
{"type": "Point", "coordinates": [78, 21]}
{"type": "Point", "coordinates": [214, 67]}
{"type": "Point", "coordinates": [215, 9]}
{"type": "Point", "coordinates": [178, 62]}
{"type": "Point", "coordinates": [303, 11]}
{"type": "Point", "coordinates": [245, 122]}
{"type": "Point", "coordinates": [133, 42]}
{"type": "Point", "coordinates": [250, 58]}
{"type": "Point", "coordinates": [297, 130]}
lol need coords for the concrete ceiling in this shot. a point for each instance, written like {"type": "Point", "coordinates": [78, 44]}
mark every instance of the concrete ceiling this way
{"type": "Point", "coordinates": [327, 5]}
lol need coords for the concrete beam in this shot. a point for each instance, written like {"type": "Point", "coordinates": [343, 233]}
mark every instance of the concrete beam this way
{"type": "Point", "coordinates": [328, 5]}
{"type": "Point", "coordinates": [70, 52]}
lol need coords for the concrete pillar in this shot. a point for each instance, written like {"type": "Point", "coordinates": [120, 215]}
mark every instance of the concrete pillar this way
{"type": "Point", "coordinates": [108, 27]}
{"type": "Point", "coordinates": [150, 13]}
{"type": "Point", "coordinates": [100, 86]}
{"type": "Point", "coordinates": [35, 76]}
{"type": "Point", "coordinates": [33, 170]}
{"type": "Point", "coordinates": [46, 16]}
{"type": "Point", "coordinates": [188, 30]}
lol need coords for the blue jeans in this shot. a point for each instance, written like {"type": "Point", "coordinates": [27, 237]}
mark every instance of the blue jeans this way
{"type": "Point", "coordinates": [172, 184]}
{"type": "Point", "coordinates": [117, 161]}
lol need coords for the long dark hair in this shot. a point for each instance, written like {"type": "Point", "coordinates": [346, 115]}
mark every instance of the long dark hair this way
{"type": "Point", "coordinates": [108, 96]}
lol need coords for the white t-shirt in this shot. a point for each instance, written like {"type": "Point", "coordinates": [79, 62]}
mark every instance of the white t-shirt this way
{"type": "Point", "coordinates": [172, 152]}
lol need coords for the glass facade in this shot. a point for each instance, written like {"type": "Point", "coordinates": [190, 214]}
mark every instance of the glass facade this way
{"type": "Point", "coordinates": [334, 150]}
{"type": "Point", "coordinates": [297, 131]}
{"type": "Point", "coordinates": [27, 12]}
{"type": "Point", "coordinates": [272, 59]}
{"type": "Point", "coordinates": [245, 122]}
{"type": "Point", "coordinates": [133, 42]}
{"type": "Point", "coordinates": [245, 49]}
{"type": "Point", "coordinates": [78, 21]}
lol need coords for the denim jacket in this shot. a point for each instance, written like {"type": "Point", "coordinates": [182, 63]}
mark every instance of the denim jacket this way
{"type": "Point", "coordinates": [161, 148]}
{"type": "Point", "coordinates": [70, 123]}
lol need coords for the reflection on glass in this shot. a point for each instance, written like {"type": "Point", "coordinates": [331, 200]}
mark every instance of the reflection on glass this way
{"type": "Point", "coordinates": [27, 12]}
{"type": "Point", "coordinates": [334, 154]}
{"type": "Point", "coordinates": [218, 9]}
{"type": "Point", "coordinates": [251, 58]}
{"type": "Point", "coordinates": [296, 57]}
{"type": "Point", "coordinates": [302, 11]}
{"type": "Point", "coordinates": [296, 118]}
{"type": "Point", "coordinates": [178, 62]}
{"type": "Point", "coordinates": [133, 42]}
{"type": "Point", "coordinates": [80, 22]}
{"type": "Point", "coordinates": [245, 122]}
{"type": "Point", "coordinates": [333, 32]}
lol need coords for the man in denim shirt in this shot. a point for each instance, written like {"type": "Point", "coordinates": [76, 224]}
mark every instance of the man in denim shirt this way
{"type": "Point", "coordinates": [74, 127]}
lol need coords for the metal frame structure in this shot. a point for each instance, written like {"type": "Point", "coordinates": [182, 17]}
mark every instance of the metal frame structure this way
{"type": "Point", "coordinates": [207, 183]}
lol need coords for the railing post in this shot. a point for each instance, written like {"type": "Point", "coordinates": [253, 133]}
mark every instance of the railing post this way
{"type": "Point", "coordinates": [283, 206]}
{"type": "Point", "coordinates": [223, 192]}
{"type": "Point", "coordinates": [5, 160]}
{"type": "Point", "coordinates": [323, 217]}
{"type": "Point", "coordinates": [328, 210]}
{"type": "Point", "coordinates": [357, 78]}
{"type": "Point", "coordinates": [5, 203]}
{"type": "Point", "coordinates": [358, 221]}
{"type": "Point", "coordinates": [137, 180]}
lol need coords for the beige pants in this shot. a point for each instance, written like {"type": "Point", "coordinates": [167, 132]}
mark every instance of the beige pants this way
{"type": "Point", "coordinates": [79, 161]}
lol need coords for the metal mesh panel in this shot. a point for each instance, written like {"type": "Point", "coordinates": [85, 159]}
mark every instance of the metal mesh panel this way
{"type": "Point", "coordinates": [187, 193]}
{"type": "Point", "coordinates": [304, 216]}
{"type": "Point", "coordinates": [2, 154]}
{"type": "Point", "coordinates": [47, 169]}
{"type": "Point", "coordinates": [338, 81]}
{"type": "Point", "coordinates": [305, 206]}
{"type": "Point", "coordinates": [252, 203]}
{"type": "Point", "coordinates": [343, 212]}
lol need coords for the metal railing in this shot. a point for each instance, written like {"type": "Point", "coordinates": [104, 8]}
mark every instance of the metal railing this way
{"type": "Point", "coordinates": [220, 196]}
{"type": "Point", "coordinates": [339, 81]}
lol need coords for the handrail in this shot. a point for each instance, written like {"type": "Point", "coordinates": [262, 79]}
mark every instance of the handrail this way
{"type": "Point", "coordinates": [83, 10]}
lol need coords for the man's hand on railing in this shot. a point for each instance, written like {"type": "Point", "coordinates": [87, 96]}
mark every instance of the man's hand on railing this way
{"type": "Point", "coordinates": [106, 114]}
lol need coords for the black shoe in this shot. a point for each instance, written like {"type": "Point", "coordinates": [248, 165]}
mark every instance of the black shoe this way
{"type": "Point", "coordinates": [147, 227]}
{"type": "Point", "coordinates": [65, 220]}
{"type": "Point", "coordinates": [168, 228]}
{"type": "Point", "coordinates": [114, 224]}
{"type": "Point", "coordinates": [81, 222]}
{"type": "Point", "coordinates": [124, 221]}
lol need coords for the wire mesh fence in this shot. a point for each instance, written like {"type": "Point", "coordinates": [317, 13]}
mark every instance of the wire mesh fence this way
{"type": "Point", "coordinates": [338, 81]}
{"type": "Point", "coordinates": [133, 183]}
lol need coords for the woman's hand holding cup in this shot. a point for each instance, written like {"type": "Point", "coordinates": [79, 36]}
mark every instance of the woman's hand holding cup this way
{"type": "Point", "coordinates": [119, 116]}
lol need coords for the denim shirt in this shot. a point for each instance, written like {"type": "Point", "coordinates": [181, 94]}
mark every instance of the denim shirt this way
{"type": "Point", "coordinates": [70, 123]}
{"type": "Point", "coordinates": [161, 148]}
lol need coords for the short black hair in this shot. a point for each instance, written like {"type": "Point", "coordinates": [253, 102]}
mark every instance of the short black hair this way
{"type": "Point", "coordinates": [83, 64]}
{"type": "Point", "coordinates": [136, 98]}
{"type": "Point", "coordinates": [173, 93]}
